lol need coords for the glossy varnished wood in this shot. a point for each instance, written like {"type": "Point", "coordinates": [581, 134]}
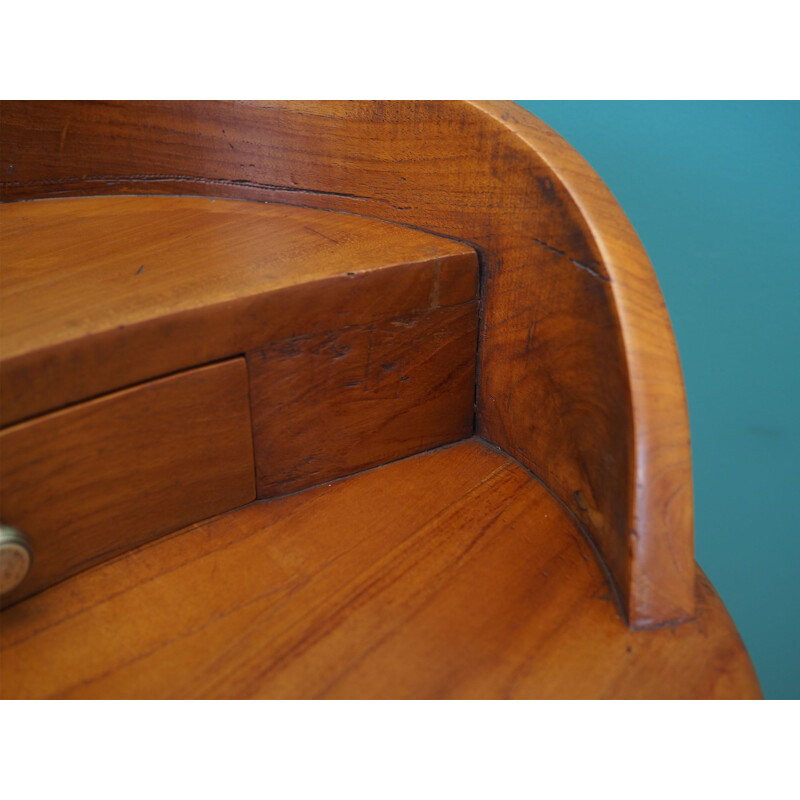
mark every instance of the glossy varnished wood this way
{"type": "Point", "coordinates": [450, 574]}
{"type": "Point", "coordinates": [100, 293]}
{"type": "Point", "coordinates": [578, 376]}
{"type": "Point", "coordinates": [96, 479]}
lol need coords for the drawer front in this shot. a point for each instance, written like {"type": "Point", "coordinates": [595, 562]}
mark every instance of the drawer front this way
{"type": "Point", "coordinates": [93, 480]}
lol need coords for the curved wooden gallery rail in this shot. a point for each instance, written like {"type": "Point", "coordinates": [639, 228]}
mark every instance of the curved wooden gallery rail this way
{"type": "Point", "coordinates": [578, 376]}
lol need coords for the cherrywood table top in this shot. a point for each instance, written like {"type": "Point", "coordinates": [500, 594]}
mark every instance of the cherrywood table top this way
{"type": "Point", "coordinates": [454, 573]}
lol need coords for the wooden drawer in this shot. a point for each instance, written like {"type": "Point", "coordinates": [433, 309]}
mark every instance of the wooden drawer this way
{"type": "Point", "coordinates": [95, 479]}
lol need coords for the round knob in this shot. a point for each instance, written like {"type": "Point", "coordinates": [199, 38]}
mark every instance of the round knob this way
{"type": "Point", "coordinates": [16, 555]}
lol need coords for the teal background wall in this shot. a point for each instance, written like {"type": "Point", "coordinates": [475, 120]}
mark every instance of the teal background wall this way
{"type": "Point", "coordinates": [713, 190]}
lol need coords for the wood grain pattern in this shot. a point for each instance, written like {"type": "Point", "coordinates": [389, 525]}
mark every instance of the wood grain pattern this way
{"type": "Point", "coordinates": [330, 404]}
{"type": "Point", "coordinates": [450, 574]}
{"type": "Point", "coordinates": [578, 377]}
{"type": "Point", "coordinates": [658, 523]}
{"type": "Point", "coordinates": [100, 293]}
{"type": "Point", "coordinates": [93, 480]}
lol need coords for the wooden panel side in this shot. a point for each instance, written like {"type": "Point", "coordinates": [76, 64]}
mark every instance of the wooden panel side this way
{"type": "Point", "coordinates": [326, 405]}
{"type": "Point", "coordinates": [93, 480]}
{"type": "Point", "coordinates": [658, 527]}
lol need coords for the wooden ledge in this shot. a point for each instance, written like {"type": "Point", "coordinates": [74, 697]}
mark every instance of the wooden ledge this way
{"type": "Point", "coordinates": [101, 293]}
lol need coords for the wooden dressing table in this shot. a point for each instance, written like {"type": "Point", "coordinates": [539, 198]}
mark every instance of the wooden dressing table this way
{"type": "Point", "coordinates": [361, 400]}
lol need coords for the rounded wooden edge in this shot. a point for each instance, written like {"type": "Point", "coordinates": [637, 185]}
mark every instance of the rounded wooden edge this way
{"type": "Point", "coordinates": [663, 499]}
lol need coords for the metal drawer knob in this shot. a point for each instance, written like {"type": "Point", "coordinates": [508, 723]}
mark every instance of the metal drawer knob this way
{"type": "Point", "coordinates": [16, 555]}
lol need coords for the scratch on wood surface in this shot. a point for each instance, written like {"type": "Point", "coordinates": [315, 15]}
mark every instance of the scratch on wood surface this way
{"type": "Point", "coordinates": [437, 271]}
{"type": "Point", "coordinates": [369, 352]}
{"type": "Point", "coordinates": [63, 136]}
{"type": "Point", "coordinates": [586, 267]}
{"type": "Point", "coordinates": [329, 238]}
{"type": "Point", "coordinates": [529, 344]}
{"type": "Point", "coordinates": [114, 180]}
